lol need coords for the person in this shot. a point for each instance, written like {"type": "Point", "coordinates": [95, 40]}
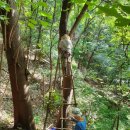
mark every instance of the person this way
{"type": "Point", "coordinates": [78, 119]}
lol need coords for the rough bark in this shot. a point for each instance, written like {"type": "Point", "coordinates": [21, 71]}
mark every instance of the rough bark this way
{"type": "Point", "coordinates": [67, 84]}
{"type": "Point", "coordinates": [66, 6]}
{"type": "Point", "coordinates": [17, 70]}
{"type": "Point", "coordinates": [66, 66]}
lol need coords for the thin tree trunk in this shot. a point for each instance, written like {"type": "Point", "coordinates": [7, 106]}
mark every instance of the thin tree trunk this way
{"type": "Point", "coordinates": [117, 125]}
{"type": "Point", "coordinates": [78, 19]}
{"type": "Point", "coordinates": [17, 70]}
{"type": "Point", "coordinates": [114, 122]}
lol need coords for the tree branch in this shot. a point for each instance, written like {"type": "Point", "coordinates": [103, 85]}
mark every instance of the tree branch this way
{"type": "Point", "coordinates": [78, 19]}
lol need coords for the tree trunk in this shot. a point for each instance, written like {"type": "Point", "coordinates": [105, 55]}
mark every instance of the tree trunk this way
{"type": "Point", "coordinates": [118, 117]}
{"type": "Point", "coordinates": [66, 66]}
{"type": "Point", "coordinates": [17, 68]}
{"type": "Point", "coordinates": [118, 120]}
{"type": "Point", "coordinates": [113, 125]}
{"type": "Point", "coordinates": [67, 83]}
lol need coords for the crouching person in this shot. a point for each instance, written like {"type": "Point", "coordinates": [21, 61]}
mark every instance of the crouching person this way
{"type": "Point", "coordinates": [78, 119]}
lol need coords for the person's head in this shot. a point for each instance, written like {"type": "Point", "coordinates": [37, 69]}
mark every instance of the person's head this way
{"type": "Point", "coordinates": [77, 114]}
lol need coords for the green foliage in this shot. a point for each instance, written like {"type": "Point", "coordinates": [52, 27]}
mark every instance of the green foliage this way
{"type": "Point", "coordinates": [44, 14]}
{"type": "Point", "coordinates": [119, 11]}
{"type": "Point", "coordinates": [101, 56]}
{"type": "Point", "coordinates": [5, 6]}
{"type": "Point", "coordinates": [109, 63]}
{"type": "Point", "coordinates": [110, 11]}
{"type": "Point", "coordinates": [44, 23]}
{"type": "Point", "coordinates": [78, 1]}
{"type": "Point", "coordinates": [54, 100]}
{"type": "Point", "coordinates": [122, 22]}
{"type": "Point", "coordinates": [3, 18]}
{"type": "Point", "coordinates": [125, 8]}
{"type": "Point", "coordinates": [41, 3]}
{"type": "Point", "coordinates": [37, 119]}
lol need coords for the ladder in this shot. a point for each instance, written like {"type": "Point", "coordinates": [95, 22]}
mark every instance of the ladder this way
{"type": "Point", "coordinates": [71, 91]}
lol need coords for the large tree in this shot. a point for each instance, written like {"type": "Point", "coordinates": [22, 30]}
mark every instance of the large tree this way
{"type": "Point", "coordinates": [17, 68]}
{"type": "Point", "coordinates": [65, 57]}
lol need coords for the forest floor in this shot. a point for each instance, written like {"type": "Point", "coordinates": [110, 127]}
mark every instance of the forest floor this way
{"type": "Point", "coordinates": [6, 106]}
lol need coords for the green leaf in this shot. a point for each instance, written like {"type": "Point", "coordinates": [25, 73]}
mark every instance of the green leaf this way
{"type": "Point", "coordinates": [122, 22]}
{"type": "Point", "coordinates": [44, 14]}
{"type": "Point", "coordinates": [37, 119]}
{"type": "Point", "coordinates": [39, 45]}
{"type": "Point", "coordinates": [3, 17]}
{"type": "Point", "coordinates": [27, 14]}
{"type": "Point", "coordinates": [31, 25]}
{"type": "Point", "coordinates": [88, 15]}
{"type": "Point", "coordinates": [125, 8]}
{"type": "Point", "coordinates": [44, 23]}
{"type": "Point", "coordinates": [4, 5]}
{"type": "Point", "coordinates": [44, 4]}
{"type": "Point", "coordinates": [110, 11]}
{"type": "Point", "coordinates": [78, 1]}
{"type": "Point", "coordinates": [33, 21]}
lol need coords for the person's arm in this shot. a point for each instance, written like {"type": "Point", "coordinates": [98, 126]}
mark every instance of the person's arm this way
{"type": "Point", "coordinates": [71, 118]}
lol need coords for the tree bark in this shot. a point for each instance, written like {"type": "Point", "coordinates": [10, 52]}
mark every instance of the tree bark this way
{"type": "Point", "coordinates": [117, 125]}
{"type": "Point", "coordinates": [17, 68]}
{"type": "Point", "coordinates": [78, 19]}
{"type": "Point", "coordinates": [66, 66]}
{"type": "Point", "coordinates": [66, 6]}
{"type": "Point", "coordinates": [67, 84]}
{"type": "Point", "coordinates": [114, 122]}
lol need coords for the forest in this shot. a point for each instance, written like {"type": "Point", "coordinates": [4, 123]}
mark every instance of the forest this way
{"type": "Point", "coordinates": [56, 55]}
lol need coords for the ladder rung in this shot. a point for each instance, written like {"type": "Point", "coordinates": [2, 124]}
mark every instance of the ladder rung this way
{"type": "Point", "coordinates": [64, 128]}
{"type": "Point", "coordinates": [66, 88]}
{"type": "Point", "coordinates": [69, 103]}
{"type": "Point", "coordinates": [63, 118]}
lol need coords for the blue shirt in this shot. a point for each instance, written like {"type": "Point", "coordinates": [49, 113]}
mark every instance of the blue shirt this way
{"type": "Point", "coordinates": [80, 125]}
{"type": "Point", "coordinates": [53, 128]}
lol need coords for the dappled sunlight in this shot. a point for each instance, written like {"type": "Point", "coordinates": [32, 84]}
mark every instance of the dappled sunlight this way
{"type": "Point", "coordinates": [76, 54]}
